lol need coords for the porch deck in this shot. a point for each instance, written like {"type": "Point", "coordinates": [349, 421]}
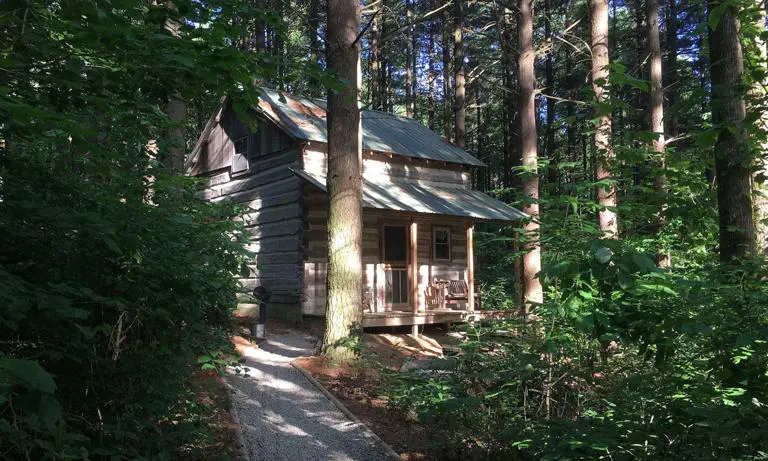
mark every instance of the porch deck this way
{"type": "Point", "coordinates": [429, 316]}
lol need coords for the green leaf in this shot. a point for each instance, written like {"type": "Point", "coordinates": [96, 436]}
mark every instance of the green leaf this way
{"type": "Point", "coordinates": [30, 373]}
{"type": "Point", "coordinates": [204, 359]}
{"type": "Point", "coordinates": [715, 15]}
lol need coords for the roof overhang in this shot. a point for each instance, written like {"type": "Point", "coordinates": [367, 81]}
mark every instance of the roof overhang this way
{"type": "Point", "coordinates": [419, 198]}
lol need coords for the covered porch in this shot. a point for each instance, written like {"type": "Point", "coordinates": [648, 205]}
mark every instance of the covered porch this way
{"type": "Point", "coordinates": [418, 251]}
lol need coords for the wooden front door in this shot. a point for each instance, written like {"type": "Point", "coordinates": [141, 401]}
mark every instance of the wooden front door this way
{"type": "Point", "coordinates": [395, 250]}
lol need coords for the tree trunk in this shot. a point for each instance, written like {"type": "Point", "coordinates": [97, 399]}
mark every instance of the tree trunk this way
{"type": "Point", "coordinates": [549, 70]}
{"type": "Point", "coordinates": [175, 134]}
{"type": "Point", "coordinates": [604, 156]}
{"type": "Point", "coordinates": [384, 71]}
{"type": "Point", "coordinates": [176, 110]}
{"type": "Point", "coordinates": [259, 43]}
{"type": "Point", "coordinates": [511, 137]}
{"type": "Point", "coordinates": [447, 119]}
{"type": "Point", "coordinates": [671, 81]}
{"type": "Point", "coordinates": [431, 77]}
{"type": "Point", "coordinates": [737, 229]}
{"type": "Point", "coordinates": [460, 109]}
{"type": "Point", "coordinates": [410, 60]}
{"type": "Point", "coordinates": [532, 258]}
{"type": "Point", "coordinates": [656, 109]}
{"type": "Point", "coordinates": [760, 177]}
{"type": "Point", "coordinates": [374, 79]}
{"type": "Point", "coordinates": [313, 26]}
{"type": "Point", "coordinates": [345, 273]}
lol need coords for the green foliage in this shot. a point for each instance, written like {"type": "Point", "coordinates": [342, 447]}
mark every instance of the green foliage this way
{"type": "Point", "coordinates": [624, 361]}
{"type": "Point", "coordinates": [114, 279]}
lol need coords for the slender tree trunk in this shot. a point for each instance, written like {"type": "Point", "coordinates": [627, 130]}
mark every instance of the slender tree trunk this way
{"type": "Point", "coordinates": [345, 274]}
{"type": "Point", "coordinates": [176, 110]}
{"type": "Point", "coordinates": [532, 258]}
{"type": "Point", "coordinates": [259, 43]}
{"type": "Point", "coordinates": [672, 121]}
{"type": "Point", "coordinates": [549, 71]}
{"type": "Point", "coordinates": [512, 158]}
{"type": "Point", "coordinates": [760, 176]}
{"type": "Point", "coordinates": [384, 71]}
{"type": "Point", "coordinates": [410, 60]}
{"type": "Point", "coordinates": [313, 26]}
{"type": "Point", "coordinates": [447, 119]}
{"type": "Point", "coordinates": [604, 156]}
{"type": "Point", "coordinates": [656, 109]}
{"type": "Point", "coordinates": [737, 229]}
{"type": "Point", "coordinates": [432, 76]}
{"type": "Point", "coordinates": [374, 79]}
{"type": "Point", "coordinates": [279, 46]}
{"type": "Point", "coordinates": [458, 64]}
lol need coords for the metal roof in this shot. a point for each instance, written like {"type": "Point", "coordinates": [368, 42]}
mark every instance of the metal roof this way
{"type": "Point", "coordinates": [407, 196]}
{"type": "Point", "coordinates": [305, 119]}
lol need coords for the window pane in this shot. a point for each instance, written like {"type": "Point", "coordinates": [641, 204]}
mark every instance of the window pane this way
{"type": "Point", "coordinates": [442, 244]}
{"type": "Point", "coordinates": [394, 243]}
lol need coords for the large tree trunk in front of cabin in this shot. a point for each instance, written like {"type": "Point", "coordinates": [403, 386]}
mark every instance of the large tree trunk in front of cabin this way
{"type": "Point", "coordinates": [447, 36]}
{"type": "Point", "coordinates": [604, 156]}
{"type": "Point", "coordinates": [345, 184]}
{"type": "Point", "coordinates": [656, 109]}
{"type": "Point", "coordinates": [533, 295]}
{"type": "Point", "coordinates": [737, 229]}
{"type": "Point", "coordinates": [460, 109]}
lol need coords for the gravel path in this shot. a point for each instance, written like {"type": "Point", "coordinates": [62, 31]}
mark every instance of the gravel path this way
{"type": "Point", "coordinates": [284, 417]}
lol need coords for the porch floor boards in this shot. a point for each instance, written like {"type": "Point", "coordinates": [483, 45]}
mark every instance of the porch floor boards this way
{"type": "Point", "coordinates": [430, 316]}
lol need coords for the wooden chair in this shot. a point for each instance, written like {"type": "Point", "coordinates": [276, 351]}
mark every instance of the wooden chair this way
{"type": "Point", "coordinates": [434, 297]}
{"type": "Point", "coordinates": [457, 290]}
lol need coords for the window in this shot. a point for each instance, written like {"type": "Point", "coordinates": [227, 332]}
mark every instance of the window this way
{"type": "Point", "coordinates": [441, 243]}
{"type": "Point", "coordinates": [395, 244]}
{"type": "Point", "coordinates": [240, 158]}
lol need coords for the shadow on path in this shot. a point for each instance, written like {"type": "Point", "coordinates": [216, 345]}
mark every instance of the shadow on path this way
{"type": "Point", "coordinates": [284, 417]}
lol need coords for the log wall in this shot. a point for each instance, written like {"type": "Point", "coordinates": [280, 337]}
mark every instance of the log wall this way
{"type": "Point", "coordinates": [315, 251]}
{"type": "Point", "coordinates": [270, 194]}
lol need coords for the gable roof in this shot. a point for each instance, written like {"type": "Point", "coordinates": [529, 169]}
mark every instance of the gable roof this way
{"type": "Point", "coordinates": [305, 119]}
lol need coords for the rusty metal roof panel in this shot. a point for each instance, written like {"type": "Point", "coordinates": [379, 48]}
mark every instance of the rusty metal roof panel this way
{"type": "Point", "coordinates": [303, 118]}
{"type": "Point", "coordinates": [411, 197]}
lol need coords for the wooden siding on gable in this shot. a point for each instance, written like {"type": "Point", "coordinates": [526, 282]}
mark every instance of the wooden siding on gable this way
{"type": "Point", "coordinates": [218, 150]}
{"type": "Point", "coordinates": [381, 168]}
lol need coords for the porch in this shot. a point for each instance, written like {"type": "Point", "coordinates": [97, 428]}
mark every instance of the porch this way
{"type": "Point", "coordinates": [428, 317]}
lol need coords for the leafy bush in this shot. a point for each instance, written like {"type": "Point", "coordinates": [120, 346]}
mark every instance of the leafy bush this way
{"type": "Point", "coordinates": [106, 299]}
{"type": "Point", "coordinates": [625, 362]}
{"type": "Point", "coordinates": [113, 278]}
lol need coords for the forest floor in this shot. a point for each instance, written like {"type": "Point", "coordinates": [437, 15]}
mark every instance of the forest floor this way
{"type": "Point", "coordinates": [358, 387]}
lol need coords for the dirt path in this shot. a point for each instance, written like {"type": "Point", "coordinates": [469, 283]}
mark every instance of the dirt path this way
{"type": "Point", "coordinates": [284, 417]}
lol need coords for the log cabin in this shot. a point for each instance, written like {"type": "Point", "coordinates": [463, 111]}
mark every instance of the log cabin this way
{"type": "Point", "coordinates": [418, 217]}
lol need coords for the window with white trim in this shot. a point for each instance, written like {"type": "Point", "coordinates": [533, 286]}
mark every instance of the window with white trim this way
{"type": "Point", "coordinates": [441, 243]}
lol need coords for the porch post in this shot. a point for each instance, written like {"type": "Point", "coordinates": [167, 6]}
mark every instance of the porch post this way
{"type": "Point", "coordinates": [414, 274]}
{"type": "Point", "coordinates": [470, 266]}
